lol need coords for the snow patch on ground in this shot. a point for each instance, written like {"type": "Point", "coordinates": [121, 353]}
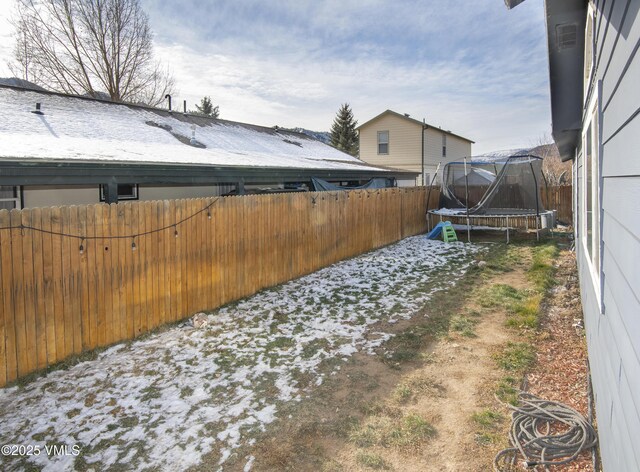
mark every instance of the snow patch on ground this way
{"type": "Point", "coordinates": [164, 401]}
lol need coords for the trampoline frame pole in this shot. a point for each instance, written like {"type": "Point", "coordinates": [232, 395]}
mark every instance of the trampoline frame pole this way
{"type": "Point", "coordinates": [429, 194]}
{"type": "Point", "coordinates": [466, 201]}
{"type": "Point", "coordinates": [535, 182]}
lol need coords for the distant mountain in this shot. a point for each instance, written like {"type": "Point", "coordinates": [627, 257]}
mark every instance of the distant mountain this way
{"type": "Point", "coordinates": [322, 136]}
{"type": "Point", "coordinates": [16, 82]}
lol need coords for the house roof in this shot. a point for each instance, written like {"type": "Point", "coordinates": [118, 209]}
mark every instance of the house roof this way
{"type": "Point", "coordinates": [74, 132]}
{"type": "Point", "coordinates": [566, 21]}
{"type": "Point", "coordinates": [411, 120]}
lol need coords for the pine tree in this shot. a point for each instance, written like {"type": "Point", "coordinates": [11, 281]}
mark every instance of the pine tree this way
{"type": "Point", "coordinates": [206, 108]}
{"type": "Point", "coordinates": [343, 131]}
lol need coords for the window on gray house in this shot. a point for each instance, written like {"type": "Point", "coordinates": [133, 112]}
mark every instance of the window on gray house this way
{"type": "Point", "coordinates": [444, 145]}
{"type": "Point", "coordinates": [383, 142]}
{"type": "Point", "coordinates": [125, 192]}
{"type": "Point", "coordinates": [10, 197]}
{"type": "Point", "coordinates": [591, 184]}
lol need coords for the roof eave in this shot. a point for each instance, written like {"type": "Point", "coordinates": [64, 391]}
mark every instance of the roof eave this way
{"type": "Point", "coordinates": [50, 172]}
{"type": "Point", "coordinates": [566, 67]}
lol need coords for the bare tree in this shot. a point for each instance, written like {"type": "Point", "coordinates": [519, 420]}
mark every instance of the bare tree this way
{"type": "Point", "coordinates": [555, 171]}
{"type": "Point", "coordinates": [21, 67]}
{"type": "Point", "coordinates": [89, 47]}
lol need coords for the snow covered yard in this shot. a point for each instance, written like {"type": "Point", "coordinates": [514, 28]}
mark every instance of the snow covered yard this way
{"type": "Point", "coordinates": [164, 401]}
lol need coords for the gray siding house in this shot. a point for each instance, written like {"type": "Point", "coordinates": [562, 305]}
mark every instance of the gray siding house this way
{"type": "Point", "coordinates": [594, 67]}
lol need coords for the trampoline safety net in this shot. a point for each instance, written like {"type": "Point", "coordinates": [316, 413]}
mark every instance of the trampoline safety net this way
{"type": "Point", "coordinates": [507, 183]}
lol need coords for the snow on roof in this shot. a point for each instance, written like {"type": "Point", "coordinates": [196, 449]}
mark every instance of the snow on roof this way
{"type": "Point", "coordinates": [73, 128]}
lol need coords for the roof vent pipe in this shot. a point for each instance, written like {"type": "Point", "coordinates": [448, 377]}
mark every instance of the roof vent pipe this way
{"type": "Point", "coordinates": [184, 104]}
{"type": "Point", "coordinates": [37, 111]}
{"type": "Point", "coordinates": [169, 97]}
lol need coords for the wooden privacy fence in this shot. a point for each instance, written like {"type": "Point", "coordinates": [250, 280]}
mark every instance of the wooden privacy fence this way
{"type": "Point", "coordinates": [560, 198]}
{"type": "Point", "coordinates": [79, 277]}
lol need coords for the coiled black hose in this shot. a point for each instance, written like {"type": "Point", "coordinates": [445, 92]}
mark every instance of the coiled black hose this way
{"type": "Point", "coordinates": [532, 440]}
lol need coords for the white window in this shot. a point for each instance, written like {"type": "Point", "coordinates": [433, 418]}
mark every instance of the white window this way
{"type": "Point", "coordinates": [383, 142]}
{"type": "Point", "coordinates": [590, 189]}
{"type": "Point", "coordinates": [444, 145]}
{"type": "Point", "coordinates": [10, 197]}
{"type": "Point", "coordinates": [125, 192]}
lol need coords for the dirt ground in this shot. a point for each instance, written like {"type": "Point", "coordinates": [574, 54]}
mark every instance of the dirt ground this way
{"type": "Point", "coordinates": [434, 398]}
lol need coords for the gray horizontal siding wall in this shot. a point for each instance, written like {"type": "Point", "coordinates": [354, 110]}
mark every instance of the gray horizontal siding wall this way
{"type": "Point", "coordinates": [613, 337]}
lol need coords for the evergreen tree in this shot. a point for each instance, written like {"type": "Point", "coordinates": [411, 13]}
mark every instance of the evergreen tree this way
{"type": "Point", "coordinates": [206, 108]}
{"type": "Point", "coordinates": [343, 131]}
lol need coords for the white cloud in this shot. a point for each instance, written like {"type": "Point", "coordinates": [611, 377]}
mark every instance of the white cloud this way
{"type": "Point", "coordinates": [6, 36]}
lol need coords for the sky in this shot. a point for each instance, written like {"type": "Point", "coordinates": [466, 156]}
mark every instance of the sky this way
{"type": "Point", "coordinates": [469, 66]}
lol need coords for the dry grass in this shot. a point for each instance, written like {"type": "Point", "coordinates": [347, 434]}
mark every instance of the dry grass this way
{"type": "Point", "coordinates": [410, 430]}
{"type": "Point", "coordinates": [488, 424]}
{"type": "Point", "coordinates": [416, 387]}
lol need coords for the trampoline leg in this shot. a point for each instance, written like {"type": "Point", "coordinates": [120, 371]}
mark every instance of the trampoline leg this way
{"type": "Point", "coordinates": [538, 228]}
{"type": "Point", "coordinates": [507, 230]}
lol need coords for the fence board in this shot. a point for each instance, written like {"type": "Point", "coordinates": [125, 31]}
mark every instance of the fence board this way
{"type": "Point", "coordinates": [3, 352]}
{"type": "Point", "coordinates": [111, 253]}
{"type": "Point", "coordinates": [85, 304]}
{"type": "Point", "coordinates": [126, 259]}
{"type": "Point", "coordinates": [38, 293]}
{"type": "Point", "coordinates": [18, 295]}
{"type": "Point", "coordinates": [168, 210]}
{"type": "Point", "coordinates": [93, 272]}
{"type": "Point", "coordinates": [119, 256]}
{"type": "Point", "coordinates": [197, 223]}
{"type": "Point", "coordinates": [163, 288]}
{"type": "Point", "coordinates": [28, 290]}
{"type": "Point", "coordinates": [71, 306]}
{"type": "Point", "coordinates": [142, 254]}
{"type": "Point", "coordinates": [207, 259]}
{"type": "Point", "coordinates": [134, 271]}
{"type": "Point", "coordinates": [154, 264]}
{"type": "Point", "coordinates": [179, 260]}
{"type": "Point", "coordinates": [101, 279]}
{"type": "Point", "coordinates": [8, 362]}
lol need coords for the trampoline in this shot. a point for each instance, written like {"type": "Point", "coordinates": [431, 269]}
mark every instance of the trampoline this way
{"type": "Point", "coordinates": [495, 191]}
